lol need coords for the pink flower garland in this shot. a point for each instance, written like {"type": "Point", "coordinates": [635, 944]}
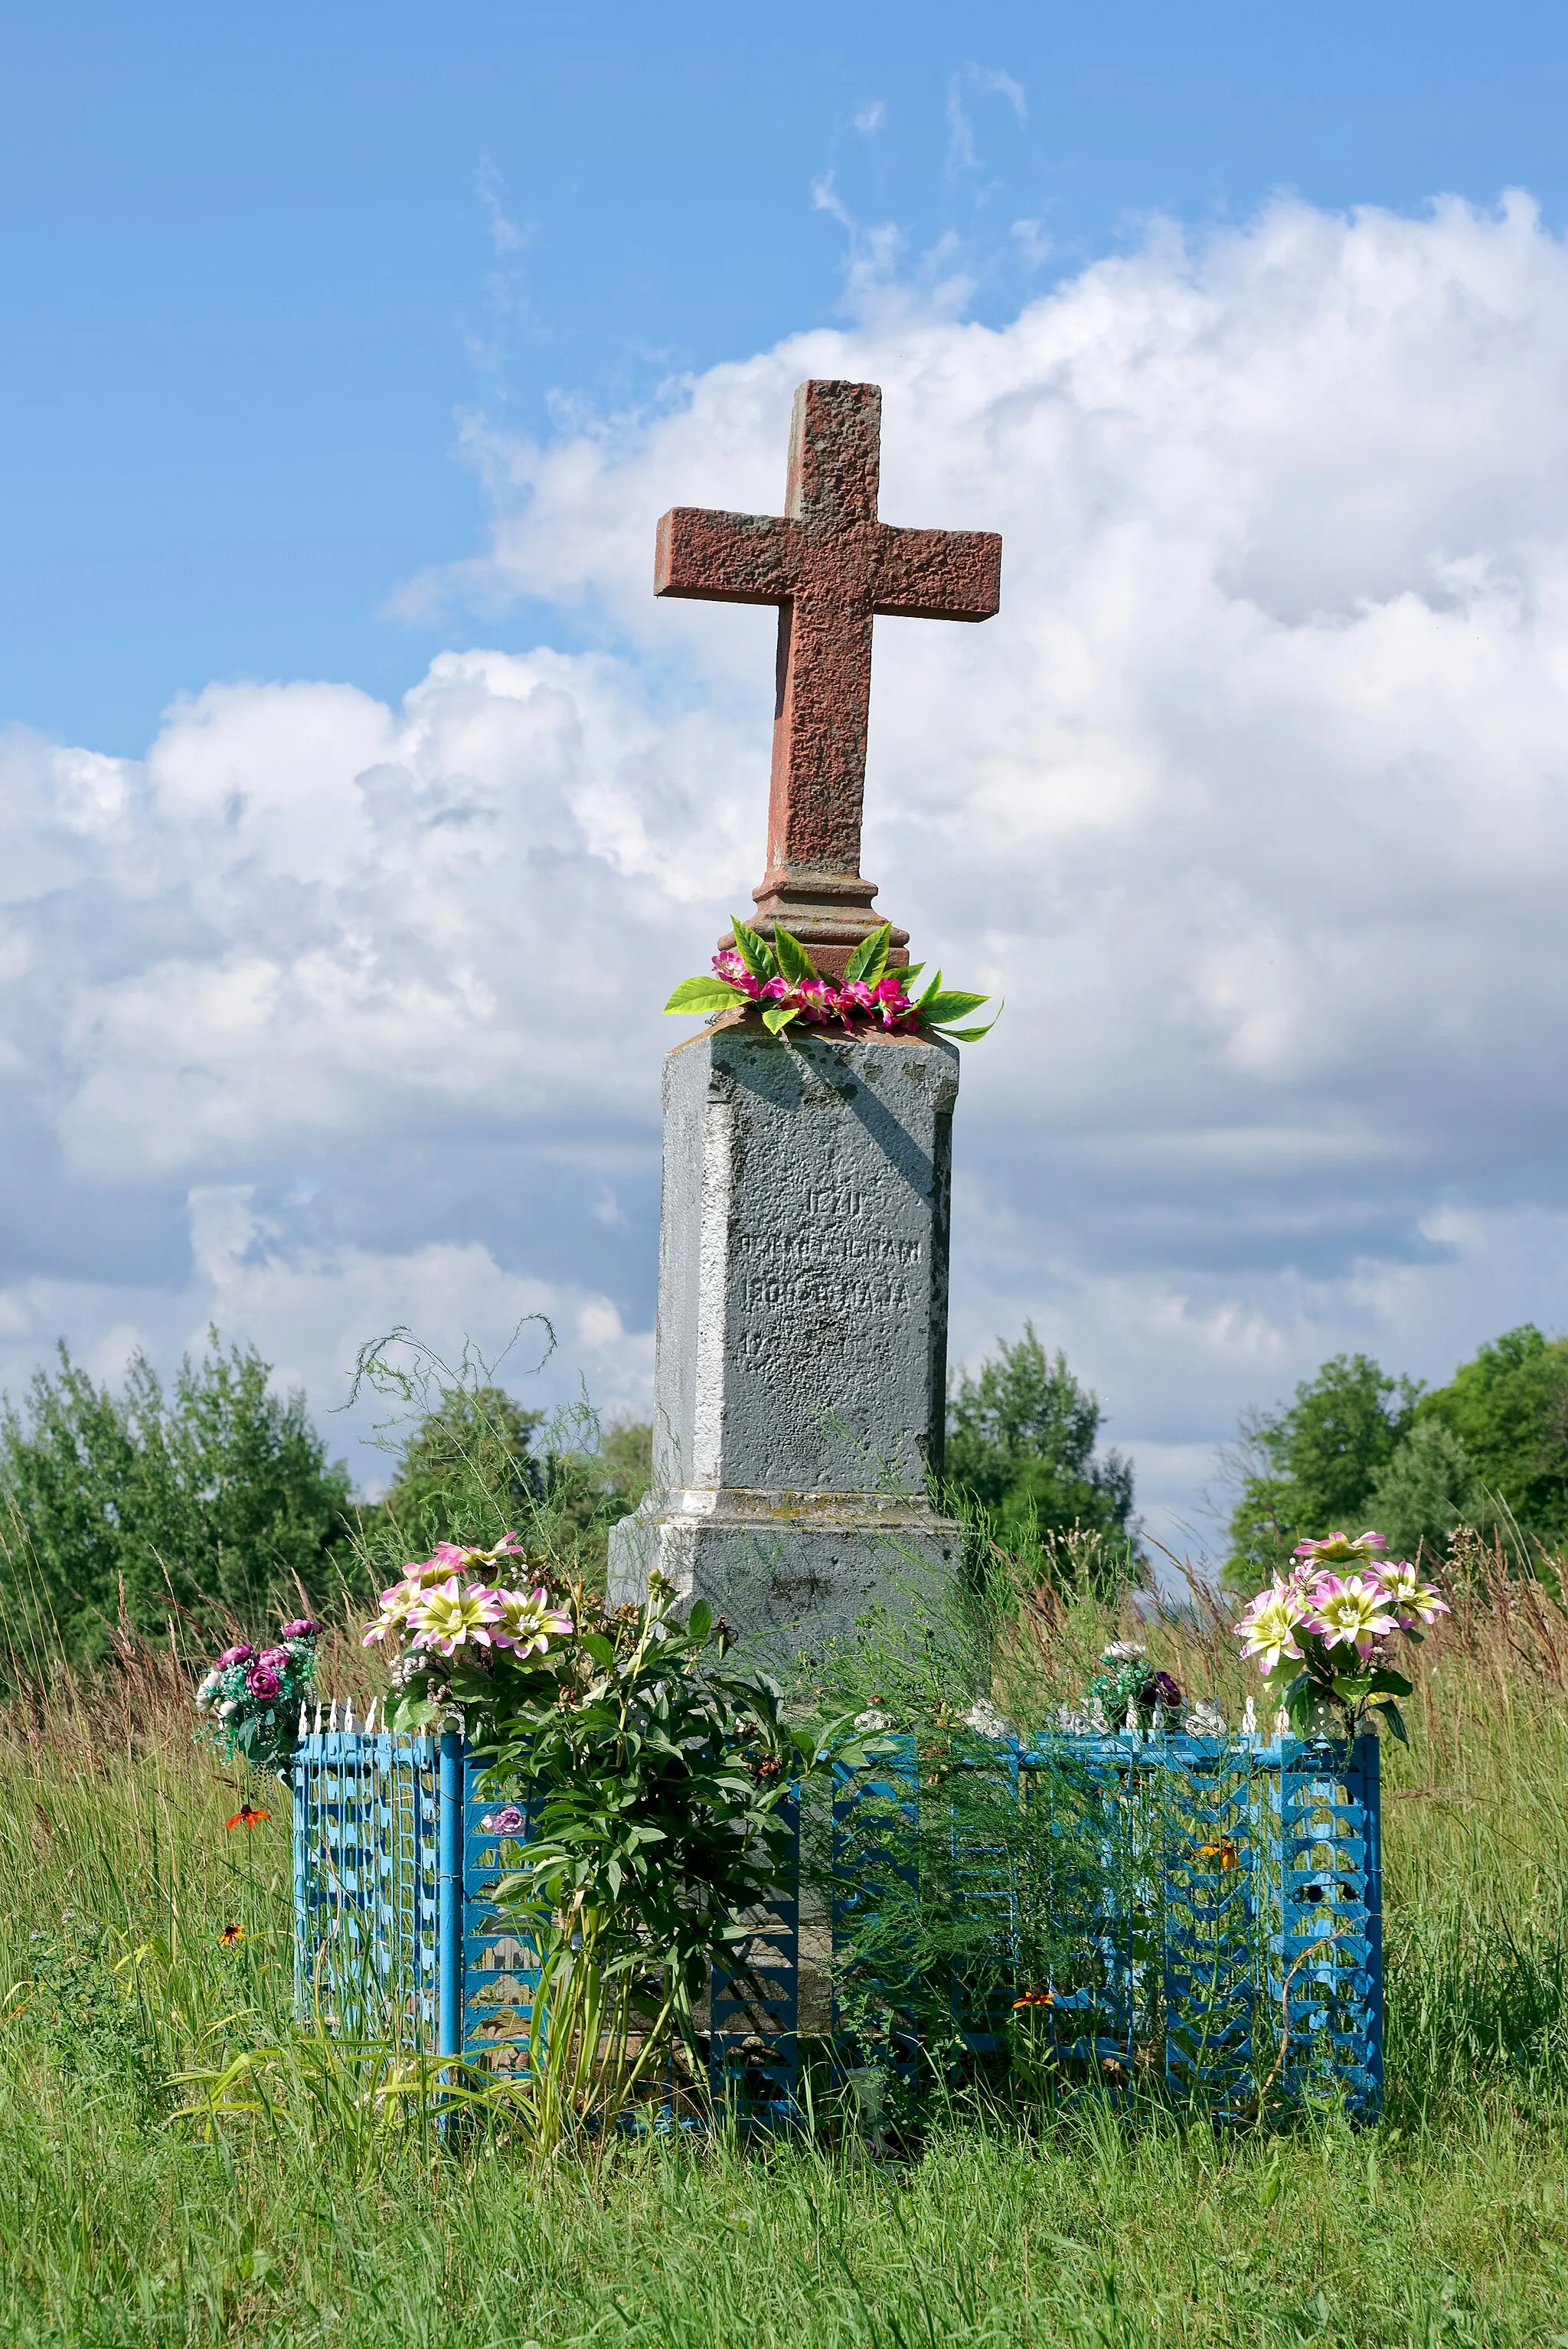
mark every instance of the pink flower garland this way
{"type": "Point", "coordinates": [817, 1001]}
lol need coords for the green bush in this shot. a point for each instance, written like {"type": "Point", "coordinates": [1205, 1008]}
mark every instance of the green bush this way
{"type": "Point", "coordinates": [1509, 1408]}
{"type": "Point", "coordinates": [1426, 1489]}
{"type": "Point", "coordinates": [472, 1462]}
{"type": "Point", "coordinates": [1357, 1447]}
{"type": "Point", "coordinates": [218, 1497]}
{"type": "Point", "coordinates": [1309, 1468]}
{"type": "Point", "coordinates": [1020, 1454]}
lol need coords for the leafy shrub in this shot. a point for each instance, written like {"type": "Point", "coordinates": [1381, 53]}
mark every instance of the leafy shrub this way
{"type": "Point", "coordinates": [1358, 1446]}
{"type": "Point", "coordinates": [1308, 1469]}
{"type": "Point", "coordinates": [649, 1777]}
{"type": "Point", "coordinates": [471, 1460]}
{"type": "Point", "coordinates": [1021, 1440]}
{"type": "Point", "coordinates": [218, 1495]}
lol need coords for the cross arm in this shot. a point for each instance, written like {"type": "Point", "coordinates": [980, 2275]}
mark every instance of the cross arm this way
{"type": "Point", "coordinates": [726, 558]}
{"type": "Point", "coordinates": [938, 574]}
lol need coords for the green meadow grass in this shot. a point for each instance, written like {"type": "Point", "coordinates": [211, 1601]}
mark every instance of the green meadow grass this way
{"type": "Point", "coordinates": [125, 2217]}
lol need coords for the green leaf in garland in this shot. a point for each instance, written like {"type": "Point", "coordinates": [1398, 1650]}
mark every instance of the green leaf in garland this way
{"type": "Point", "coordinates": [932, 987]}
{"type": "Point", "coordinates": [705, 995]}
{"type": "Point", "coordinates": [754, 952]}
{"type": "Point", "coordinates": [869, 960]}
{"type": "Point", "coordinates": [778, 1016]}
{"type": "Point", "coordinates": [794, 963]}
{"type": "Point", "coordinates": [969, 1035]}
{"type": "Point", "coordinates": [940, 1011]}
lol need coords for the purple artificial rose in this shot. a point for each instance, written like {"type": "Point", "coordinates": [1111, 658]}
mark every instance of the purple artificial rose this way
{"type": "Point", "coordinates": [506, 1822]}
{"type": "Point", "coordinates": [234, 1656]}
{"type": "Point", "coordinates": [263, 1681]}
{"type": "Point", "coordinates": [1163, 1690]}
{"type": "Point", "coordinates": [278, 1659]}
{"type": "Point", "coordinates": [304, 1626]}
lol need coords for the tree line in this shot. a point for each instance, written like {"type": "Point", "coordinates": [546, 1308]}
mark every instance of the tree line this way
{"type": "Point", "coordinates": [212, 1499]}
{"type": "Point", "coordinates": [1358, 1447]}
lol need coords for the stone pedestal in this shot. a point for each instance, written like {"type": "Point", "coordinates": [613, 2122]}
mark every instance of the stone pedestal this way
{"type": "Point", "coordinates": [802, 1330]}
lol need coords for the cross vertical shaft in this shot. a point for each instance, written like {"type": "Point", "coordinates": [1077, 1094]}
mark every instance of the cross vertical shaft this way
{"type": "Point", "coordinates": [831, 566]}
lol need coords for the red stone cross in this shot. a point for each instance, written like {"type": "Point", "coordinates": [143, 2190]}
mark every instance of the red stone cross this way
{"type": "Point", "coordinates": [830, 566]}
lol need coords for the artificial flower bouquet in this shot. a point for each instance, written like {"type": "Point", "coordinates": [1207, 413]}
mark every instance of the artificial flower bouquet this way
{"type": "Point", "coordinates": [783, 979]}
{"type": "Point", "coordinates": [1127, 1684]}
{"type": "Point", "coordinates": [252, 1697]}
{"type": "Point", "coordinates": [1317, 1630]}
{"type": "Point", "coordinates": [476, 1631]}
{"type": "Point", "coordinates": [494, 1641]}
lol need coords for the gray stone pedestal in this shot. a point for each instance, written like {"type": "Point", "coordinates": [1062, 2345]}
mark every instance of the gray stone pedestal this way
{"type": "Point", "coordinates": [801, 1351]}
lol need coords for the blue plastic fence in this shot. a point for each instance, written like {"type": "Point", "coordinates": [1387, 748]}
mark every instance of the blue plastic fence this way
{"type": "Point", "coordinates": [1221, 1918]}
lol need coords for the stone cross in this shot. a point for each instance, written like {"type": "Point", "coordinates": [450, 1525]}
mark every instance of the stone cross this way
{"type": "Point", "coordinates": [800, 1361]}
{"type": "Point", "coordinates": [831, 566]}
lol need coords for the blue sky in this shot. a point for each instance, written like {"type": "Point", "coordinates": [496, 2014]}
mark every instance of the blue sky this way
{"type": "Point", "coordinates": [358, 806]}
{"type": "Point", "coordinates": [257, 262]}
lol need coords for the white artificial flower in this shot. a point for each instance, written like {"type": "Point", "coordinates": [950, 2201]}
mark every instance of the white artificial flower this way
{"type": "Point", "coordinates": [986, 1721]}
{"type": "Point", "coordinates": [1123, 1651]}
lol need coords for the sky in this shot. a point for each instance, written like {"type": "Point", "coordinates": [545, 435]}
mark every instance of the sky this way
{"type": "Point", "coordinates": [359, 805]}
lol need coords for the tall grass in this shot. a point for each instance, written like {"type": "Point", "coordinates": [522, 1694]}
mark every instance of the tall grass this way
{"type": "Point", "coordinates": [327, 2213]}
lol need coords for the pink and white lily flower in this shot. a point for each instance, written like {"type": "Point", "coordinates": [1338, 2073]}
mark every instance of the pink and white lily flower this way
{"type": "Point", "coordinates": [527, 1622]}
{"type": "Point", "coordinates": [1267, 1626]}
{"type": "Point", "coordinates": [452, 1616]}
{"type": "Point", "coordinates": [1350, 1614]}
{"type": "Point", "coordinates": [1415, 1601]}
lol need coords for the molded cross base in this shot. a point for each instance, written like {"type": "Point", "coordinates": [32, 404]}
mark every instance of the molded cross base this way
{"type": "Point", "coordinates": [829, 914]}
{"type": "Point", "coordinates": [787, 1571]}
{"type": "Point", "coordinates": [802, 1330]}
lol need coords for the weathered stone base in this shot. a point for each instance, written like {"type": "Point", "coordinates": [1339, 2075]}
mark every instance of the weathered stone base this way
{"type": "Point", "coordinates": [789, 1571]}
{"type": "Point", "coordinates": [802, 1352]}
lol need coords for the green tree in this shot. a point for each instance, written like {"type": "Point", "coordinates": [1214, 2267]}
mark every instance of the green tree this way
{"type": "Point", "coordinates": [589, 1487]}
{"type": "Point", "coordinates": [477, 1464]}
{"type": "Point", "coordinates": [469, 1460]}
{"type": "Point", "coordinates": [1509, 1408]}
{"type": "Point", "coordinates": [1429, 1487]}
{"type": "Point", "coordinates": [1308, 1470]}
{"type": "Point", "coordinates": [1021, 1444]}
{"type": "Point", "coordinates": [217, 1497]}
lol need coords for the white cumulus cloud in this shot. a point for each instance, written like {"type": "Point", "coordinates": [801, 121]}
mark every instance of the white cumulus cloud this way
{"type": "Point", "coordinates": [1253, 801]}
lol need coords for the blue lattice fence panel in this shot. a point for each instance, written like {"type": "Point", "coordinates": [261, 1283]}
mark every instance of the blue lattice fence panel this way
{"type": "Point", "coordinates": [875, 1874]}
{"type": "Point", "coordinates": [1223, 1898]}
{"type": "Point", "coordinates": [501, 1963]}
{"type": "Point", "coordinates": [754, 2012]}
{"type": "Point", "coordinates": [1326, 1946]}
{"type": "Point", "coordinates": [1211, 1820]}
{"type": "Point", "coordinates": [1097, 1871]}
{"type": "Point", "coordinates": [984, 1858]}
{"type": "Point", "coordinates": [366, 1892]}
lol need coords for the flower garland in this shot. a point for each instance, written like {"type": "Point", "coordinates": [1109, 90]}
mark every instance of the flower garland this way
{"type": "Point", "coordinates": [785, 982]}
{"type": "Point", "coordinates": [1329, 1622]}
{"type": "Point", "coordinates": [252, 1697]}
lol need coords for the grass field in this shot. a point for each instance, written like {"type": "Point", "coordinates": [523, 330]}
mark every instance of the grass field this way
{"type": "Point", "coordinates": [125, 2217]}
